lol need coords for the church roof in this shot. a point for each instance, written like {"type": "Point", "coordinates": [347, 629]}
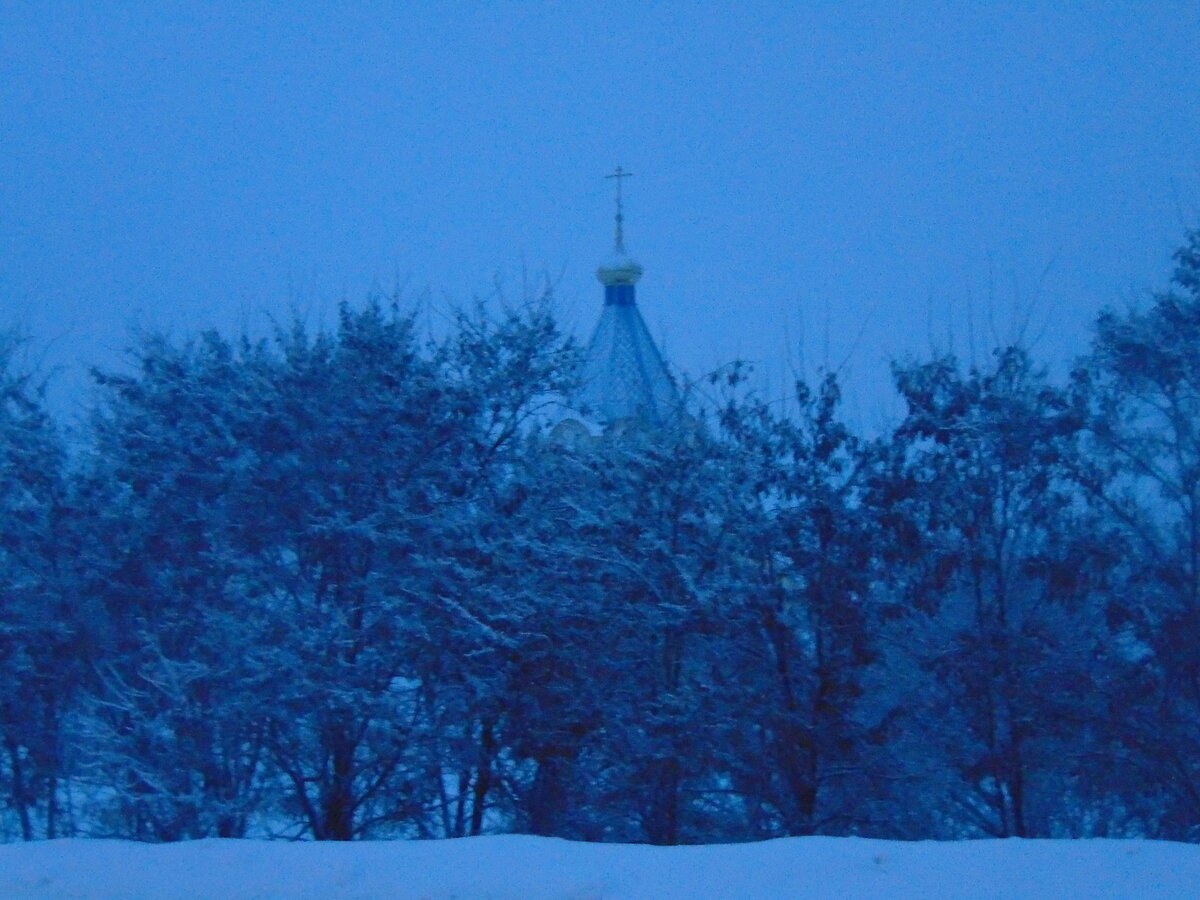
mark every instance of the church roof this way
{"type": "Point", "coordinates": [624, 376]}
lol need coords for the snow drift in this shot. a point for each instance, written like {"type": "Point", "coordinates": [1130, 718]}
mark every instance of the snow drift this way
{"type": "Point", "coordinates": [530, 868]}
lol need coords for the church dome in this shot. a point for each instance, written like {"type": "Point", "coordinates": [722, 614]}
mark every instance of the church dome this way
{"type": "Point", "coordinates": [624, 382]}
{"type": "Point", "coordinates": [620, 269]}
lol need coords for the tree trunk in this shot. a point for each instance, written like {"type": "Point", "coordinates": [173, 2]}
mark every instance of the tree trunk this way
{"type": "Point", "coordinates": [483, 780]}
{"type": "Point", "coordinates": [19, 794]}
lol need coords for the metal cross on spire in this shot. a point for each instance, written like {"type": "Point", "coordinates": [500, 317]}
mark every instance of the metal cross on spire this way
{"type": "Point", "coordinates": [620, 174]}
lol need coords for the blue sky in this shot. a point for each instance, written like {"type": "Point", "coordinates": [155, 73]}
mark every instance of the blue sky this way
{"type": "Point", "coordinates": [833, 184]}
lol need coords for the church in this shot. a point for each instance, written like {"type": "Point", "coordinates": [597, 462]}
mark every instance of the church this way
{"type": "Point", "coordinates": [624, 381]}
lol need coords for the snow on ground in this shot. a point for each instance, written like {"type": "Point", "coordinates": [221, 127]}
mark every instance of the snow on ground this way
{"type": "Point", "coordinates": [532, 868]}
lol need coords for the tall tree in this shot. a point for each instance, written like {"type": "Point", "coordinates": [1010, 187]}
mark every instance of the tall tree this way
{"type": "Point", "coordinates": [1140, 391]}
{"type": "Point", "coordinates": [38, 634]}
{"type": "Point", "coordinates": [985, 526]}
{"type": "Point", "coordinates": [812, 638]}
{"type": "Point", "coordinates": [175, 724]}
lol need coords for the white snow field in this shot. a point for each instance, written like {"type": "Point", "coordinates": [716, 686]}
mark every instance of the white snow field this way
{"type": "Point", "coordinates": [532, 868]}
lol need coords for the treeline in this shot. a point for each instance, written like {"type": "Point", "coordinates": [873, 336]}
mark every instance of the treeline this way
{"type": "Point", "coordinates": [346, 585]}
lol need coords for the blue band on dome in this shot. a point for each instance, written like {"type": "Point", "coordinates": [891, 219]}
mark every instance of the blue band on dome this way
{"type": "Point", "coordinates": [618, 294]}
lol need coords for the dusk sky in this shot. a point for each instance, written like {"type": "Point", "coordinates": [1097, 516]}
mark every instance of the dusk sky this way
{"type": "Point", "coordinates": [833, 184]}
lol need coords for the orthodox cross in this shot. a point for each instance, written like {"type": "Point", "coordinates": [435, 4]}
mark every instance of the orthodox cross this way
{"type": "Point", "coordinates": [620, 174]}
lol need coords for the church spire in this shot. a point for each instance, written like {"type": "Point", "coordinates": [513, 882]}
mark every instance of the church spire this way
{"type": "Point", "coordinates": [621, 273]}
{"type": "Point", "coordinates": [624, 378]}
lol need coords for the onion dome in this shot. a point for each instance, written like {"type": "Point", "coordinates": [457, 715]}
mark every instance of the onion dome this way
{"type": "Point", "coordinates": [624, 377]}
